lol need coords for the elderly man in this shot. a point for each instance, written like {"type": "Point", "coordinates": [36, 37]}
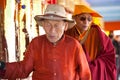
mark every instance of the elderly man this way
{"type": "Point", "coordinates": [53, 56]}
{"type": "Point", "coordinates": [98, 47]}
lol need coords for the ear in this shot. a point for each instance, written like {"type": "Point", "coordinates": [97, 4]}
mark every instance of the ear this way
{"type": "Point", "coordinates": [66, 26]}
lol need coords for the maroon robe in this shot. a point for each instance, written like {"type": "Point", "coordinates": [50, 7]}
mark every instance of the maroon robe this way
{"type": "Point", "coordinates": [99, 52]}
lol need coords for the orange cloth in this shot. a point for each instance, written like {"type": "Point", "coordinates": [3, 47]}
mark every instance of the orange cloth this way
{"type": "Point", "coordinates": [99, 51]}
{"type": "Point", "coordinates": [64, 61]}
{"type": "Point", "coordinates": [92, 43]}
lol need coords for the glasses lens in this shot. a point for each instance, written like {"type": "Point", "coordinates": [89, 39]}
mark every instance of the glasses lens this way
{"type": "Point", "coordinates": [89, 19]}
{"type": "Point", "coordinates": [84, 18]}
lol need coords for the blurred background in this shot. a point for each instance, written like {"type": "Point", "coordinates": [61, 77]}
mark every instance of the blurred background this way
{"type": "Point", "coordinates": [110, 10]}
{"type": "Point", "coordinates": [18, 27]}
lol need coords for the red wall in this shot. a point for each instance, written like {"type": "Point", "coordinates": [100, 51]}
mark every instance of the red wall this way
{"type": "Point", "coordinates": [109, 26]}
{"type": "Point", "coordinates": [2, 4]}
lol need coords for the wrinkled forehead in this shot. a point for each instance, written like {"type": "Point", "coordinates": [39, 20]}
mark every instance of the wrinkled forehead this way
{"type": "Point", "coordinates": [84, 15]}
{"type": "Point", "coordinates": [53, 21]}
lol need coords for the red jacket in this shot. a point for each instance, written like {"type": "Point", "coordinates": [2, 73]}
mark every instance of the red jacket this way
{"type": "Point", "coordinates": [63, 61]}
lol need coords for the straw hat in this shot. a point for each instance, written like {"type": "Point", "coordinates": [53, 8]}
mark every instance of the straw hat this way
{"type": "Point", "coordinates": [79, 9]}
{"type": "Point", "coordinates": [54, 12]}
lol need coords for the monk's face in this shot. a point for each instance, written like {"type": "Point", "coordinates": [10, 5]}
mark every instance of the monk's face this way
{"type": "Point", "coordinates": [54, 29]}
{"type": "Point", "coordinates": [83, 21]}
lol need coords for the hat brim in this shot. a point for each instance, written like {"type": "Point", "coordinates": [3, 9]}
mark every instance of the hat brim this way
{"type": "Point", "coordinates": [40, 18]}
{"type": "Point", "coordinates": [79, 9]}
{"type": "Point", "coordinates": [51, 17]}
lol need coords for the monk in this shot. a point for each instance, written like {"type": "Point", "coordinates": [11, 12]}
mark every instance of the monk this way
{"type": "Point", "coordinates": [98, 47]}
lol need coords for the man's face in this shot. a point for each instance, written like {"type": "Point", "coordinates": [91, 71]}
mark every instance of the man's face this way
{"type": "Point", "coordinates": [83, 21]}
{"type": "Point", "coordinates": [117, 38]}
{"type": "Point", "coordinates": [54, 29]}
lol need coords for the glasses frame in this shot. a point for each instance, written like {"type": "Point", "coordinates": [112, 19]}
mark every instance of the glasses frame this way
{"type": "Point", "coordinates": [82, 18]}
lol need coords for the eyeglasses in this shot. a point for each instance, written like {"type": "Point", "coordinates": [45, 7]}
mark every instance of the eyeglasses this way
{"type": "Point", "coordinates": [84, 18]}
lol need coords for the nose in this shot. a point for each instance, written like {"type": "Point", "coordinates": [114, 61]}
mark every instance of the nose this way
{"type": "Point", "coordinates": [85, 21]}
{"type": "Point", "coordinates": [52, 29]}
